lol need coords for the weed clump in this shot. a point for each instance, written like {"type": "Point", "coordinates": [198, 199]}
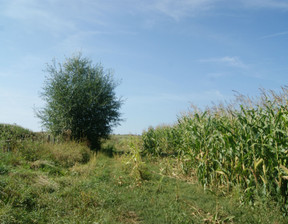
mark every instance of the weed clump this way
{"type": "Point", "coordinates": [69, 153]}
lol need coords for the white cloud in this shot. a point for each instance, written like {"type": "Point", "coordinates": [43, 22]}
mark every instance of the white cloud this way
{"type": "Point", "coordinates": [275, 35]}
{"type": "Point", "coordinates": [232, 61]}
{"type": "Point", "coordinates": [276, 4]}
{"type": "Point", "coordinates": [227, 60]}
{"type": "Point", "coordinates": [162, 98]}
{"type": "Point", "coordinates": [214, 75]}
{"type": "Point", "coordinates": [65, 14]}
{"type": "Point", "coordinates": [180, 8]}
{"type": "Point", "coordinates": [69, 17]}
{"type": "Point", "coordinates": [55, 16]}
{"type": "Point", "coordinates": [183, 8]}
{"type": "Point", "coordinates": [37, 15]}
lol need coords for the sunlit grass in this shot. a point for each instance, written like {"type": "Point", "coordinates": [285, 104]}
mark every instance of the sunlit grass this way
{"type": "Point", "coordinates": [112, 190]}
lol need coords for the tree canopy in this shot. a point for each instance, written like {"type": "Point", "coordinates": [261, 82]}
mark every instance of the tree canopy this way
{"type": "Point", "coordinates": [80, 98]}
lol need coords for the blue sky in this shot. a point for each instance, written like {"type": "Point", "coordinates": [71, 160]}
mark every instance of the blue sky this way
{"type": "Point", "coordinates": [167, 53]}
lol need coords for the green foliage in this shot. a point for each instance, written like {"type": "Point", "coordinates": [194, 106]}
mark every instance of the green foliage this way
{"type": "Point", "coordinates": [11, 135]}
{"type": "Point", "coordinates": [3, 169]}
{"type": "Point", "coordinates": [14, 131]}
{"type": "Point", "coordinates": [133, 160]}
{"type": "Point", "coordinates": [239, 144]}
{"type": "Point", "coordinates": [80, 100]}
{"type": "Point", "coordinates": [162, 140]}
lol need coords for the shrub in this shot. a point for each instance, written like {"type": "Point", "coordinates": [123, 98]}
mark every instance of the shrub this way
{"type": "Point", "coordinates": [80, 100]}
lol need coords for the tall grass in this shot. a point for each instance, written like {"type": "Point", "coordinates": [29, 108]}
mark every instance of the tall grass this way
{"type": "Point", "coordinates": [244, 143]}
{"type": "Point", "coordinates": [10, 135]}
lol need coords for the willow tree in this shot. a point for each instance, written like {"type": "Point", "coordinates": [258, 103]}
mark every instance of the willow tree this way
{"type": "Point", "coordinates": [80, 99]}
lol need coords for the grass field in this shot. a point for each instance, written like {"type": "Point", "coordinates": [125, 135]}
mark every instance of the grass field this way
{"type": "Point", "coordinates": [67, 183]}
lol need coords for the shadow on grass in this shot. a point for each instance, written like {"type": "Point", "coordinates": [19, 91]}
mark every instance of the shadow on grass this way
{"type": "Point", "coordinates": [110, 151]}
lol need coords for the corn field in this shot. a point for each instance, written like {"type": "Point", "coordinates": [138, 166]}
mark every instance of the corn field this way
{"type": "Point", "coordinates": [243, 143]}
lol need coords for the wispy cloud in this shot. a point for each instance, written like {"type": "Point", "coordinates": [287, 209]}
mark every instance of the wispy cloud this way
{"type": "Point", "coordinates": [275, 35]}
{"type": "Point", "coordinates": [62, 14]}
{"type": "Point", "coordinates": [66, 17]}
{"type": "Point", "coordinates": [215, 75]}
{"type": "Point", "coordinates": [204, 96]}
{"type": "Point", "coordinates": [275, 4]}
{"type": "Point", "coordinates": [181, 8]}
{"type": "Point", "coordinates": [56, 16]}
{"type": "Point", "coordinates": [227, 60]}
{"type": "Point", "coordinates": [38, 15]}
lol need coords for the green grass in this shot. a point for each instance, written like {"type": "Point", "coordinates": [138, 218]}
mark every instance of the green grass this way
{"type": "Point", "coordinates": [118, 144]}
{"type": "Point", "coordinates": [124, 188]}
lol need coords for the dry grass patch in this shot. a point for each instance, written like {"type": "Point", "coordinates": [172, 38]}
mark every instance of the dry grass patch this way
{"type": "Point", "coordinates": [85, 169]}
{"type": "Point", "coordinates": [45, 183]}
{"type": "Point", "coordinates": [69, 153]}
